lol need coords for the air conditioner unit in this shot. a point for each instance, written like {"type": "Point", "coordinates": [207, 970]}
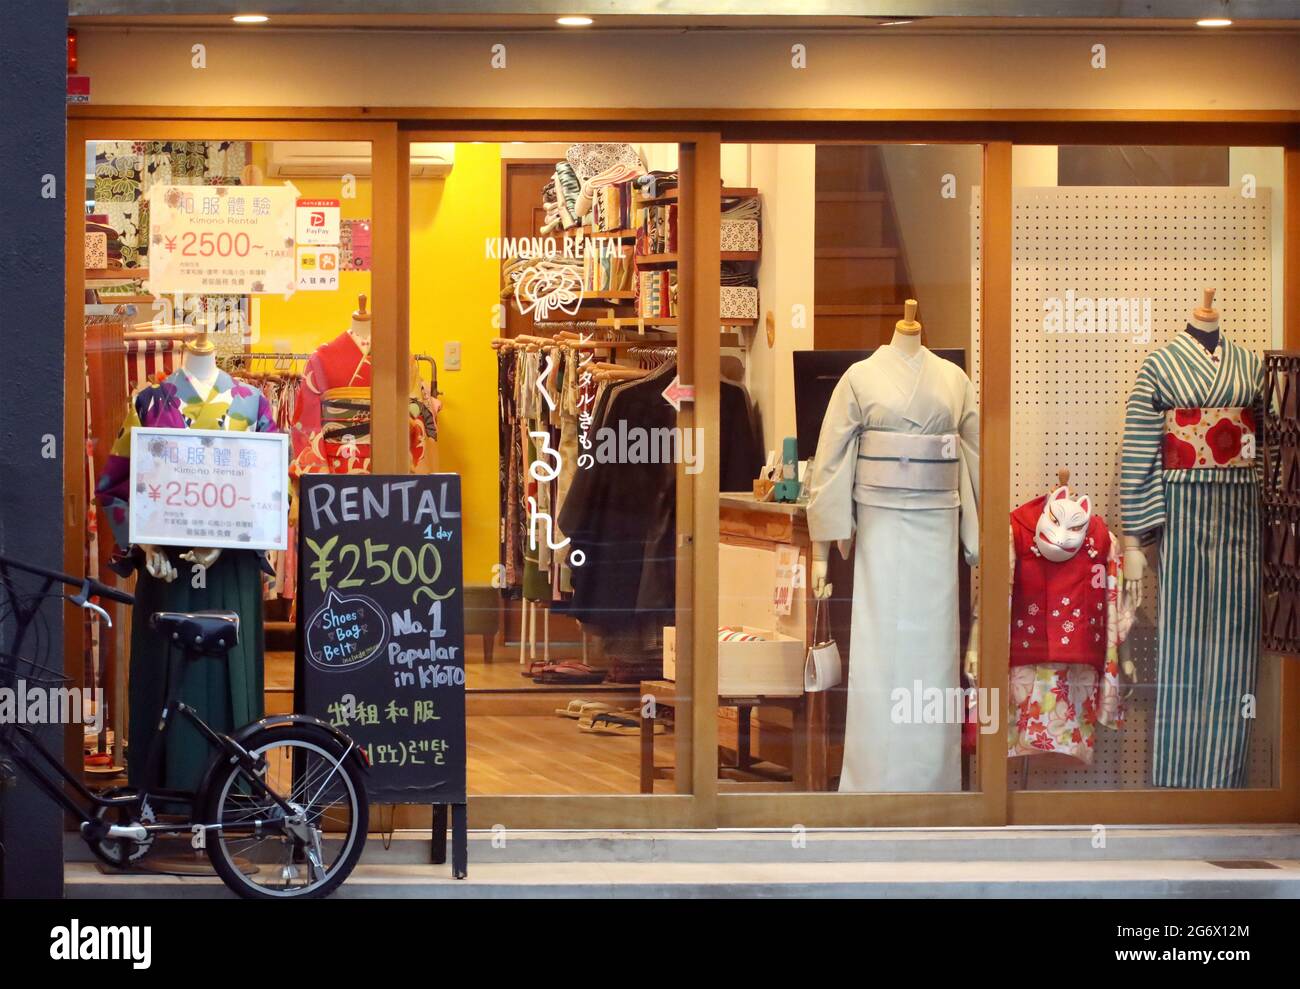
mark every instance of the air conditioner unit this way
{"type": "Point", "coordinates": [334, 159]}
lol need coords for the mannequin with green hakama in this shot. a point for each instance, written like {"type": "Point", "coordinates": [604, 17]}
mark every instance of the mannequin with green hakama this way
{"type": "Point", "coordinates": [225, 692]}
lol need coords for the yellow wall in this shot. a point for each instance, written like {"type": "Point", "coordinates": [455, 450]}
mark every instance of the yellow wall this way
{"type": "Point", "coordinates": [305, 320]}
{"type": "Point", "coordinates": [454, 287]}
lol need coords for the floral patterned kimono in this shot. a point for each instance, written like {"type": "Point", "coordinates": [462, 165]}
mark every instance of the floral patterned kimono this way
{"type": "Point", "coordinates": [331, 429]}
{"type": "Point", "coordinates": [227, 693]}
{"type": "Point", "coordinates": [1057, 706]}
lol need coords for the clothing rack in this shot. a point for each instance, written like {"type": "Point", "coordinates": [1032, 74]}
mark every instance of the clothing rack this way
{"type": "Point", "coordinates": [283, 357]}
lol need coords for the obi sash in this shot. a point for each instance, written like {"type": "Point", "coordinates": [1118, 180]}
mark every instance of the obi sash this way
{"type": "Point", "coordinates": [1209, 439]}
{"type": "Point", "coordinates": [907, 460]}
{"type": "Point", "coordinates": [921, 470]}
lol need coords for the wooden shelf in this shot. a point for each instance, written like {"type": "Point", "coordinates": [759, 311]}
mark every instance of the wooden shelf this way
{"type": "Point", "coordinates": [728, 192]}
{"type": "Point", "coordinates": [594, 298]}
{"type": "Point", "coordinates": [668, 260]}
{"type": "Point", "coordinates": [628, 234]}
{"type": "Point", "coordinates": [116, 274]}
{"type": "Point", "coordinates": [654, 260]}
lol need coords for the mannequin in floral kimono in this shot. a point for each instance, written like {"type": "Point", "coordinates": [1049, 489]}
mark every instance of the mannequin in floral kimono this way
{"type": "Point", "coordinates": [897, 465]}
{"type": "Point", "coordinates": [226, 692]}
{"type": "Point", "coordinates": [1068, 617]}
{"type": "Point", "coordinates": [331, 428]}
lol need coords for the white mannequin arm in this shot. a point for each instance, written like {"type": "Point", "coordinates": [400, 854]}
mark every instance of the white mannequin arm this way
{"type": "Point", "coordinates": [157, 563]}
{"type": "Point", "coordinates": [1135, 568]}
{"type": "Point", "coordinates": [820, 553]}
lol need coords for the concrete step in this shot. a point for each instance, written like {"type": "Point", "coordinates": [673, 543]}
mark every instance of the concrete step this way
{"type": "Point", "coordinates": [1047, 879]}
{"type": "Point", "coordinates": [875, 845]}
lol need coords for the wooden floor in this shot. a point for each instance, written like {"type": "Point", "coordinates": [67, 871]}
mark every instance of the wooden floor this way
{"type": "Point", "coordinates": [517, 745]}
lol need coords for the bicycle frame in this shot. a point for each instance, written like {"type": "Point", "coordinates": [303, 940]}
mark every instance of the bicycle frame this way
{"type": "Point", "coordinates": [37, 761]}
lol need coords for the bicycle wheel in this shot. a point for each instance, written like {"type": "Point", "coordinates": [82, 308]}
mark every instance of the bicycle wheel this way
{"type": "Point", "coordinates": [293, 855]}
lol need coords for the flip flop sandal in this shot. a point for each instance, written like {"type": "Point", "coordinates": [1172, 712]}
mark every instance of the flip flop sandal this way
{"type": "Point", "coordinates": [570, 672]}
{"type": "Point", "coordinates": [580, 706]}
{"type": "Point", "coordinates": [618, 723]}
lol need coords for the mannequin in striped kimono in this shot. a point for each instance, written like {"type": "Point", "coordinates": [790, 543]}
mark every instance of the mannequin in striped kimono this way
{"type": "Point", "coordinates": [1189, 479]}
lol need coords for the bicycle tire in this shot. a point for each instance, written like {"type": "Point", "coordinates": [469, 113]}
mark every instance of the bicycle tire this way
{"type": "Point", "coordinates": [220, 782]}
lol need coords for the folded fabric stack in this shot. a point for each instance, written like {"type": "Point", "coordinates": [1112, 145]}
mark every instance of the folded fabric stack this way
{"type": "Point", "coordinates": [612, 207]}
{"type": "Point", "coordinates": [603, 272]}
{"type": "Point", "coordinates": [727, 633]}
{"type": "Point", "coordinates": [97, 227]}
{"type": "Point", "coordinates": [740, 226]}
{"type": "Point", "coordinates": [657, 293]}
{"type": "Point", "coordinates": [656, 183]}
{"type": "Point", "coordinates": [560, 199]}
{"type": "Point", "coordinates": [560, 277]}
{"type": "Point", "coordinates": [656, 229]}
{"type": "Point", "coordinates": [739, 273]}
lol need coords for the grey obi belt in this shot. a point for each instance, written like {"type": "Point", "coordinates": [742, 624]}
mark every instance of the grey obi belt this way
{"type": "Point", "coordinates": [907, 470]}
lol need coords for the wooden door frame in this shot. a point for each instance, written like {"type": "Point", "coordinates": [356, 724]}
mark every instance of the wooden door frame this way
{"type": "Point", "coordinates": [389, 404]}
{"type": "Point", "coordinates": [692, 805]}
{"type": "Point", "coordinates": [704, 130]}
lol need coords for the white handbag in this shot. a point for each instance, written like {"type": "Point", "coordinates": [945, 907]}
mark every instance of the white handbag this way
{"type": "Point", "coordinates": [823, 668]}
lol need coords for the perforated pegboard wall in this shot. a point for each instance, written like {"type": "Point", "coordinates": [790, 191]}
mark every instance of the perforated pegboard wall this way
{"type": "Point", "coordinates": [1101, 277]}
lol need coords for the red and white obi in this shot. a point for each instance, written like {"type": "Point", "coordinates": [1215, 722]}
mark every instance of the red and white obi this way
{"type": "Point", "coordinates": [1058, 607]}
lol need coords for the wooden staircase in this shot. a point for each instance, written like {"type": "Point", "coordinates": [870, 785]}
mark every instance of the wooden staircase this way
{"type": "Point", "coordinates": [860, 271]}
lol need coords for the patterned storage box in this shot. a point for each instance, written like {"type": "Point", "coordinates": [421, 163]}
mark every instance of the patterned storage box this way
{"type": "Point", "coordinates": [739, 302]}
{"type": "Point", "coordinates": [739, 235]}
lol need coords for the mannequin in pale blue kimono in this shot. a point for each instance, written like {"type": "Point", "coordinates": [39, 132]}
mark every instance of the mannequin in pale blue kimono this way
{"type": "Point", "coordinates": [898, 463]}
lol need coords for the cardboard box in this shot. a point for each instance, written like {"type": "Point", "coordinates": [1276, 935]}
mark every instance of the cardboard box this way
{"type": "Point", "coordinates": [773, 667]}
{"type": "Point", "coordinates": [738, 301]}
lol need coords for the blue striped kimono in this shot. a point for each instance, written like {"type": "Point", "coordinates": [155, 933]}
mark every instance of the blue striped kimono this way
{"type": "Point", "coordinates": [1209, 602]}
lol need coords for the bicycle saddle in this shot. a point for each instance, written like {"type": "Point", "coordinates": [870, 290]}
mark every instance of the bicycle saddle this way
{"type": "Point", "coordinates": [209, 633]}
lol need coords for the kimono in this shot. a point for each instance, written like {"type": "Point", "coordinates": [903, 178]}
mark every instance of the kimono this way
{"type": "Point", "coordinates": [1189, 474]}
{"type": "Point", "coordinates": [226, 692]}
{"type": "Point", "coordinates": [1066, 691]}
{"type": "Point", "coordinates": [331, 424]}
{"type": "Point", "coordinates": [898, 462]}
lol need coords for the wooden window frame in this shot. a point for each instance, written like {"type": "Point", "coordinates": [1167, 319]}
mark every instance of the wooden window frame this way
{"type": "Point", "coordinates": [697, 802]}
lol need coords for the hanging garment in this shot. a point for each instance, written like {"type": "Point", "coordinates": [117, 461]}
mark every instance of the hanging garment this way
{"type": "Point", "coordinates": [1189, 473]}
{"type": "Point", "coordinates": [621, 512]}
{"type": "Point", "coordinates": [342, 369]}
{"type": "Point", "coordinates": [1068, 619]}
{"type": "Point", "coordinates": [225, 691]}
{"type": "Point", "coordinates": [897, 461]}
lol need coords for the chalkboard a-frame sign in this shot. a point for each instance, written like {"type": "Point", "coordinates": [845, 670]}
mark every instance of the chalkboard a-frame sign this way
{"type": "Point", "coordinates": [381, 637]}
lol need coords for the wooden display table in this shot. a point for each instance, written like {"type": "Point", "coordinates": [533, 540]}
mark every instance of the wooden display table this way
{"type": "Point", "coordinates": [809, 740]}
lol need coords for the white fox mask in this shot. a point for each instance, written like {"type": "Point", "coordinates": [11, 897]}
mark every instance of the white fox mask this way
{"type": "Point", "coordinates": [1063, 526]}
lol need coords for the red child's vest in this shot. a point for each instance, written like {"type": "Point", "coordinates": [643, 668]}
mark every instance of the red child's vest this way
{"type": "Point", "coordinates": [1058, 610]}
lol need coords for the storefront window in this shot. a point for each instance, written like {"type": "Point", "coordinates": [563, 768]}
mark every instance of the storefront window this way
{"type": "Point", "coordinates": [228, 289]}
{"type": "Point", "coordinates": [1147, 287]}
{"type": "Point", "coordinates": [852, 517]}
{"type": "Point", "coordinates": [545, 282]}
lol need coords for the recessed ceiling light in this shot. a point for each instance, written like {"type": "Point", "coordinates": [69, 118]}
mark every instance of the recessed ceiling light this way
{"type": "Point", "coordinates": [250, 18]}
{"type": "Point", "coordinates": [575, 20]}
{"type": "Point", "coordinates": [1214, 22]}
{"type": "Point", "coordinates": [893, 23]}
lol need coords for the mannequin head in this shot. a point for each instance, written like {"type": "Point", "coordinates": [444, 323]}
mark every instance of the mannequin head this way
{"type": "Point", "coordinates": [1063, 526]}
{"type": "Point", "coordinates": [360, 325]}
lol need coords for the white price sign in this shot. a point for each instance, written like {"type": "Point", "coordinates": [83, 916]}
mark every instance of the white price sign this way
{"type": "Point", "coordinates": [222, 239]}
{"type": "Point", "coordinates": [209, 487]}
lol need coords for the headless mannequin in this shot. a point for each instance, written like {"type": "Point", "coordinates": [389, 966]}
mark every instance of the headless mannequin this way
{"type": "Point", "coordinates": [199, 363]}
{"type": "Point", "coordinates": [907, 341]}
{"type": "Point", "coordinates": [1204, 328]}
